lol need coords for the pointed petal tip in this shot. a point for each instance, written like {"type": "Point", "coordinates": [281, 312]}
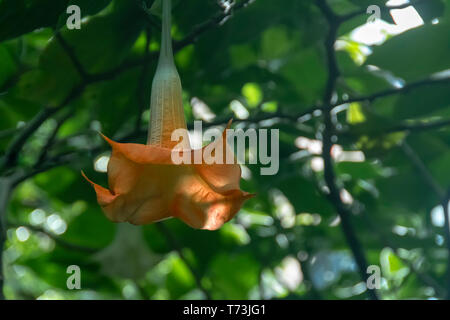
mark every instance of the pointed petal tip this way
{"type": "Point", "coordinates": [229, 123]}
{"type": "Point", "coordinates": [86, 178]}
{"type": "Point", "coordinates": [110, 142]}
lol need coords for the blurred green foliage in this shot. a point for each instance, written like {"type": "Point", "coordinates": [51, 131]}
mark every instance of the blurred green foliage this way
{"type": "Point", "coordinates": [268, 59]}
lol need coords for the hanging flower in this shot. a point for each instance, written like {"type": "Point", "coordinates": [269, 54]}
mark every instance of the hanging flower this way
{"type": "Point", "coordinates": [146, 186]}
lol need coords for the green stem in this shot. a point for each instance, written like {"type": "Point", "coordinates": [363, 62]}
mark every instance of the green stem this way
{"type": "Point", "coordinates": [166, 52]}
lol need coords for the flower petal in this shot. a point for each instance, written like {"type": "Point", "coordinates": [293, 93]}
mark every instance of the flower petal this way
{"type": "Point", "coordinates": [222, 176]}
{"type": "Point", "coordinates": [202, 208]}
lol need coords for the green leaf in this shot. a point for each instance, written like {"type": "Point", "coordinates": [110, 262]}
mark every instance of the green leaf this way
{"type": "Point", "coordinates": [406, 59]}
{"type": "Point", "coordinates": [306, 72]}
{"type": "Point", "coordinates": [19, 17]}
{"type": "Point", "coordinates": [233, 276]}
{"type": "Point", "coordinates": [90, 229]}
{"type": "Point", "coordinates": [424, 100]}
{"type": "Point", "coordinates": [180, 279]}
{"type": "Point", "coordinates": [355, 114]}
{"type": "Point", "coordinates": [7, 64]}
{"type": "Point", "coordinates": [392, 266]}
{"type": "Point", "coordinates": [242, 56]}
{"type": "Point", "coordinates": [252, 93]}
{"type": "Point", "coordinates": [275, 43]}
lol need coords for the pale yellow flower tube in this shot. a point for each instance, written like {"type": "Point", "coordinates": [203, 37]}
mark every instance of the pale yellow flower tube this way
{"type": "Point", "coordinates": [166, 106]}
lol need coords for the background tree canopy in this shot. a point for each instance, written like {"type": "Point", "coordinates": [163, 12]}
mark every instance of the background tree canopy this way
{"type": "Point", "coordinates": [363, 112]}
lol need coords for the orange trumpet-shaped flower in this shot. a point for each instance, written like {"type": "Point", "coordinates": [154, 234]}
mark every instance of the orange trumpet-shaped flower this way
{"type": "Point", "coordinates": [147, 186]}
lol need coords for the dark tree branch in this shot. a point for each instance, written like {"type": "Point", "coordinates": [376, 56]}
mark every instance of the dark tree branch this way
{"type": "Point", "coordinates": [330, 178]}
{"type": "Point", "coordinates": [420, 126]}
{"type": "Point", "coordinates": [16, 145]}
{"type": "Point", "coordinates": [173, 242]}
{"type": "Point", "coordinates": [50, 163]}
{"type": "Point", "coordinates": [409, 127]}
{"type": "Point", "coordinates": [394, 91]}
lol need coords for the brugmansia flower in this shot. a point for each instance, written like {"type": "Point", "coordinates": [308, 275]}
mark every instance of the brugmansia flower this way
{"type": "Point", "coordinates": [147, 186]}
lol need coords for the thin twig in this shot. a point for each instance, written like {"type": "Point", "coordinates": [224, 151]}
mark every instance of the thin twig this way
{"type": "Point", "coordinates": [420, 126]}
{"type": "Point", "coordinates": [423, 170]}
{"type": "Point", "coordinates": [394, 91]}
{"type": "Point", "coordinates": [409, 127]}
{"type": "Point", "coordinates": [16, 145]}
{"type": "Point", "coordinates": [70, 52]}
{"type": "Point", "coordinates": [51, 139]}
